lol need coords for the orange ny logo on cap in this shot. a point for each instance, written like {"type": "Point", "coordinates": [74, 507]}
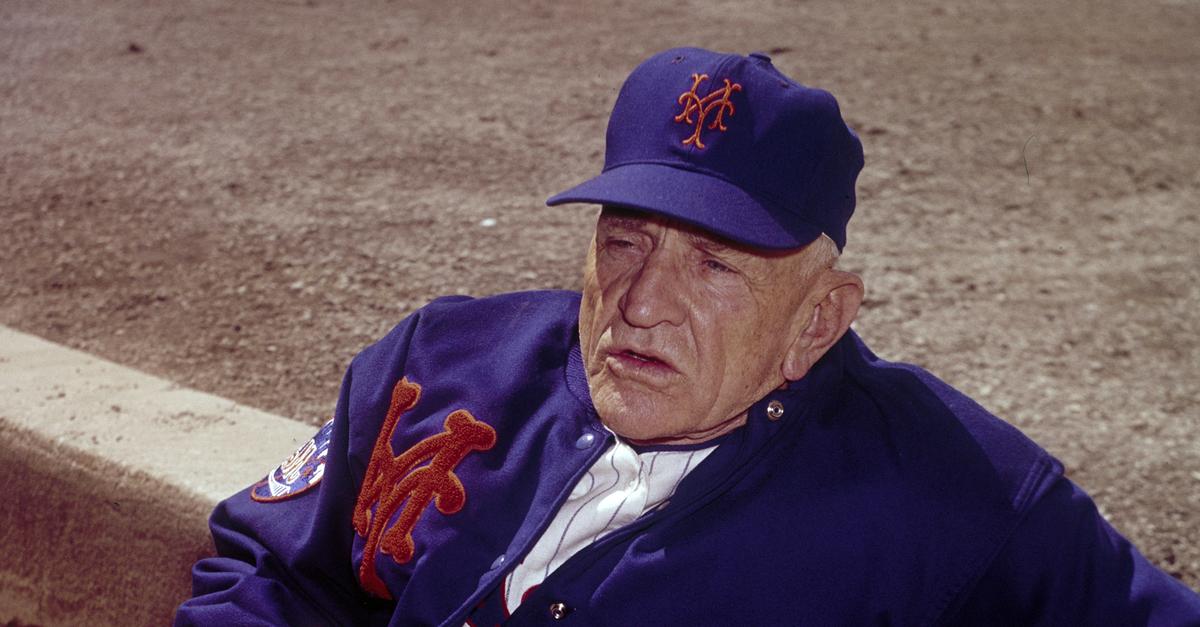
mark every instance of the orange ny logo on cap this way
{"type": "Point", "coordinates": [699, 108]}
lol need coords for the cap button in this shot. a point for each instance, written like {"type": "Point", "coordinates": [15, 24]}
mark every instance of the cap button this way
{"type": "Point", "coordinates": [761, 56]}
{"type": "Point", "coordinates": [774, 410]}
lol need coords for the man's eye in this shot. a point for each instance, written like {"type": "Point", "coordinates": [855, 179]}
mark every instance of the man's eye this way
{"type": "Point", "coordinates": [716, 266]}
{"type": "Point", "coordinates": [618, 243]}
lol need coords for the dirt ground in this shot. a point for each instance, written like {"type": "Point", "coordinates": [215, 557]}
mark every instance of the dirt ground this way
{"type": "Point", "coordinates": [240, 195]}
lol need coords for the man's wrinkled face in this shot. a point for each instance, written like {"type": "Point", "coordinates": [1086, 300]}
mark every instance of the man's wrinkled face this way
{"type": "Point", "coordinates": [681, 331]}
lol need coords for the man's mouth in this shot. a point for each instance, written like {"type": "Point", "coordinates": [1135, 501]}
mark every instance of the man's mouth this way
{"type": "Point", "coordinates": [631, 362]}
{"type": "Point", "coordinates": [641, 357]}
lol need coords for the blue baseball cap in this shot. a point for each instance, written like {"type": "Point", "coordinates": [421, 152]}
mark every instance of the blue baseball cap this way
{"type": "Point", "coordinates": [728, 144]}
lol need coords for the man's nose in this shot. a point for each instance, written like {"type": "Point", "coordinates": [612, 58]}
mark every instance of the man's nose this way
{"type": "Point", "coordinates": [654, 294]}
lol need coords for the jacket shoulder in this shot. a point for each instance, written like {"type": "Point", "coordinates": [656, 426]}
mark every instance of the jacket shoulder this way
{"type": "Point", "coordinates": [464, 349]}
{"type": "Point", "coordinates": [510, 316]}
{"type": "Point", "coordinates": [951, 481]}
{"type": "Point", "coordinates": [456, 325]}
{"type": "Point", "coordinates": [942, 431]}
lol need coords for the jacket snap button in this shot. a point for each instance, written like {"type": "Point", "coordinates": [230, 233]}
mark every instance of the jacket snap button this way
{"type": "Point", "coordinates": [775, 410]}
{"type": "Point", "coordinates": [559, 611]}
{"type": "Point", "coordinates": [585, 440]}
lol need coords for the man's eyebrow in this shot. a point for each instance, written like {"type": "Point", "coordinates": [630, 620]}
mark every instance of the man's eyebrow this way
{"type": "Point", "coordinates": [721, 246]}
{"type": "Point", "coordinates": [696, 239]}
{"type": "Point", "coordinates": [628, 219]}
{"type": "Point", "coordinates": [710, 244]}
{"type": "Point", "coordinates": [621, 221]}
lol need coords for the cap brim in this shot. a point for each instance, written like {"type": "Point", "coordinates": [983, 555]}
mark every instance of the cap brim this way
{"type": "Point", "coordinates": [699, 199]}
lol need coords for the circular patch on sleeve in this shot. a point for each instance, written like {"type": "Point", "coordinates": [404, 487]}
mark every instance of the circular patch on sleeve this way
{"type": "Point", "coordinates": [299, 472]}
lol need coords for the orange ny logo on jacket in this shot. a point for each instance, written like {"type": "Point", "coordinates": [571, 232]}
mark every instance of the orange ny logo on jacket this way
{"type": "Point", "coordinates": [393, 481]}
{"type": "Point", "coordinates": [698, 108]}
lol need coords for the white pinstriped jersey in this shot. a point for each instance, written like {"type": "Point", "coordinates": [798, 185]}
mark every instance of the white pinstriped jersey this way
{"type": "Point", "coordinates": [621, 486]}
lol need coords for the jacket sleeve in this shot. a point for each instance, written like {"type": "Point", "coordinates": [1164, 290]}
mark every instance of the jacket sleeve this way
{"type": "Point", "coordinates": [1065, 565]}
{"type": "Point", "coordinates": [290, 561]}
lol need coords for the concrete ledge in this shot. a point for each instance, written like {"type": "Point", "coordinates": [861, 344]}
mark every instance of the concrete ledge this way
{"type": "Point", "coordinates": [112, 474]}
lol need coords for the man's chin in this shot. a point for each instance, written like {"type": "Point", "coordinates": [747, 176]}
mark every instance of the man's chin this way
{"type": "Point", "coordinates": [636, 430]}
{"type": "Point", "coordinates": [631, 416]}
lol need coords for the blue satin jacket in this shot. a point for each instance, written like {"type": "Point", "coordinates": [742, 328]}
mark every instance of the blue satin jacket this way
{"type": "Point", "coordinates": [881, 496]}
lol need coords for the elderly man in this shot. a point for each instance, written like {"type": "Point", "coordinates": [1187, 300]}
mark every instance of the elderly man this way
{"type": "Point", "coordinates": [698, 438]}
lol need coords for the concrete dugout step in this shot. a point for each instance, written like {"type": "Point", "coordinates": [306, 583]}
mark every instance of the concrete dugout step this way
{"type": "Point", "coordinates": [110, 476]}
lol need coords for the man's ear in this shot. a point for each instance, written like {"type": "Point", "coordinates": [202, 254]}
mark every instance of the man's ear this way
{"type": "Point", "coordinates": [840, 295]}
